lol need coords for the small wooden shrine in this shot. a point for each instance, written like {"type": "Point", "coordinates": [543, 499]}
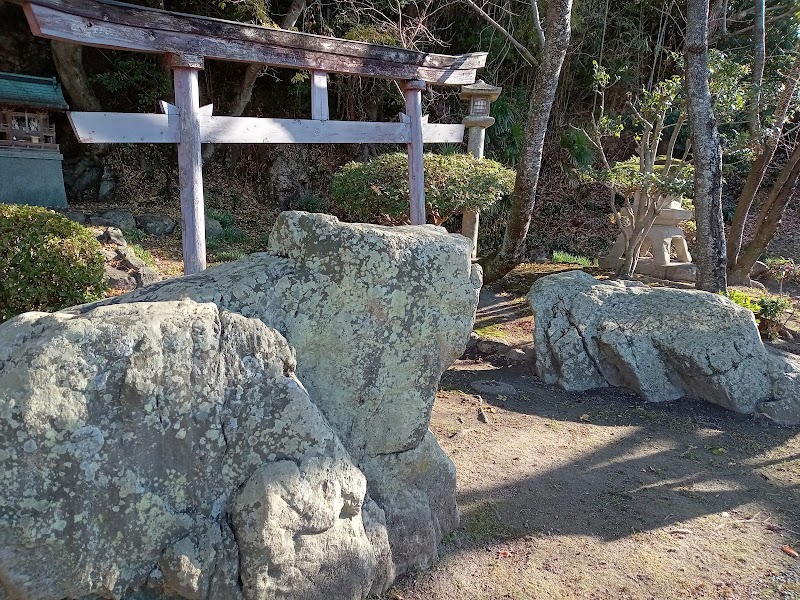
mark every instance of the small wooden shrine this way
{"type": "Point", "coordinates": [30, 162]}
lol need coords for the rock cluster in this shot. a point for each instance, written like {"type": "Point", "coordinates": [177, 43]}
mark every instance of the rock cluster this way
{"type": "Point", "coordinates": [662, 343]}
{"type": "Point", "coordinates": [124, 270]}
{"type": "Point", "coordinates": [255, 431]}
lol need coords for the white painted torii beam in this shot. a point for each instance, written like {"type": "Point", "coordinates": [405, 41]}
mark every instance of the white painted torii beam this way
{"type": "Point", "coordinates": [189, 39]}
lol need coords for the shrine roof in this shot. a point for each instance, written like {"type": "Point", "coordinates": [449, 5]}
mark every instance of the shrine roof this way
{"type": "Point", "coordinates": [31, 92]}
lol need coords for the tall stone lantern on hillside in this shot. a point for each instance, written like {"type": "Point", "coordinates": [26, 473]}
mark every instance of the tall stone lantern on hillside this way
{"type": "Point", "coordinates": [480, 95]}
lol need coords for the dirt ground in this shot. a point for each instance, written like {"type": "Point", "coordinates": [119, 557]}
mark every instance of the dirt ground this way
{"type": "Point", "coordinates": [601, 495]}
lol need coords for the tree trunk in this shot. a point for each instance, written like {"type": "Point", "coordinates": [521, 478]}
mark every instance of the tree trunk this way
{"type": "Point", "coordinates": [757, 74]}
{"type": "Point", "coordinates": [541, 103]}
{"type": "Point", "coordinates": [710, 251]}
{"type": "Point", "coordinates": [69, 64]}
{"type": "Point", "coordinates": [251, 73]}
{"type": "Point", "coordinates": [764, 154]}
{"type": "Point", "coordinates": [768, 218]}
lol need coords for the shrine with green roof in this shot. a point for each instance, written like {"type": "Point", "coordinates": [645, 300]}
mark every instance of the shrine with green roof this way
{"type": "Point", "coordinates": [30, 161]}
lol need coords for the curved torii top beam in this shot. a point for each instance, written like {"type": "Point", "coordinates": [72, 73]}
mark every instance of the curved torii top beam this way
{"type": "Point", "coordinates": [109, 24]}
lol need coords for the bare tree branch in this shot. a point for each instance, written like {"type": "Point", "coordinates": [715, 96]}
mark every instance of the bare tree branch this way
{"type": "Point", "coordinates": [526, 54]}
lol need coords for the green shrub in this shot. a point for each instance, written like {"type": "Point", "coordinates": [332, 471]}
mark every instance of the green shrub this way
{"type": "Point", "coordinates": [377, 190]}
{"type": "Point", "coordinates": [47, 262]}
{"type": "Point", "coordinates": [742, 299]}
{"type": "Point", "coordinates": [773, 307]}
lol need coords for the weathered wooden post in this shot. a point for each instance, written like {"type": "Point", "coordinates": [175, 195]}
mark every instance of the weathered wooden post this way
{"type": "Point", "coordinates": [190, 163]}
{"type": "Point", "coordinates": [319, 96]}
{"type": "Point", "coordinates": [412, 90]}
{"type": "Point", "coordinates": [480, 96]}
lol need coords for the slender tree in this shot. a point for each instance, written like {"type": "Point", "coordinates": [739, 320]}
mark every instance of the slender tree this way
{"type": "Point", "coordinates": [710, 249]}
{"type": "Point", "coordinates": [766, 145]}
{"type": "Point", "coordinates": [556, 35]}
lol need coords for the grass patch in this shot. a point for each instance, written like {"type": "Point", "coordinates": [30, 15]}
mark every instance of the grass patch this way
{"type": "Point", "coordinates": [229, 236]}
{"type": "Point", "coordinates": [133, 236]}
{"type": "Point", "coordinates": [492, 331]}
{"type": "Point", "coordinates": [225, 218]}
{"type": "Point", "coordinates": [228, 255]}
{"type": "Point", "coordinates": [560, 257]}
{"type": "Point", "coordinates": [144, 255]}
{"type": "Point", "coordinates": [484, 523]}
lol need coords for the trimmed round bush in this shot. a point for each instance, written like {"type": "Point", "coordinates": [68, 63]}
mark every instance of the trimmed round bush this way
{"type": "Point", "coordinates": [47, 262]}
{"type": "Point", "coordinates": [377, 190]}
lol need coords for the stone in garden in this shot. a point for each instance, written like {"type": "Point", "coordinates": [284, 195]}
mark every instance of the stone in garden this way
{"type": "Point", "coordinates": [112, 235]}
{"type": "Point", "coordinates": [75, 215]}
{"type": "Point", "coordinates": [145, 276]}
{"type": "Point", "coordinates": [121, 219]}
{"type": "Point", "coordinates": [106, 190]}
{"type": "Point", "coordinates": [492, 387]}
{"type": "Point", "coordinates": [661, 343]}
{"type": "Point", "coordinates": [157, 225]}
{"type": "Point", "coordinates": [190, 439]}
{"type": "Point", "coordinates": [118, 279]}
{"type": "Point", "coordinates": [759, 268]}
{"type": "Point", "coordinates": [128, 258]}
{"type": "Point", "coordinates": [213, 229]}
{"type": "Point", "coordinates": [99, 221]}
{"type": "Point", "coordinates": [169, 449]}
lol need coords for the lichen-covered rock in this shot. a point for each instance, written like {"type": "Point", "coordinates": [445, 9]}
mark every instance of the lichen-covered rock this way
{"type": "Point", "coordinates": [662, 343]}
{"type": "Point", "coordinates": [376, 315]}
{"type": "Point", "coordinates": [254, 492]}
{"type": "Point", "coordinates": [170, 447]}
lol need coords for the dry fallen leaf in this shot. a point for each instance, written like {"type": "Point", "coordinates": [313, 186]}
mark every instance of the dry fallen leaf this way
{"type": "Point", "coordinates": [505, 553]}
{"type": "Point", "coordinates": [790, 551]}
{"type": "Point", "coordinates": [585, 418]}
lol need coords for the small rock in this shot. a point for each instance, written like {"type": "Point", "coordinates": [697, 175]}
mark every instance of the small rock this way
{"type": "Point", "coordinates": [759, 268]}
{"type": "Point", "coordinates": [146, 276]}
{"type": "Point", "coordinates": [98, 221]}
{"type": "Point", "coordinates": [473, 340]}
{"type": "Point", "coordinates": [516, 354]}
{"type": "Point", "coordinates": [119, 280]}
{"type": "Point", "coordinates": [88, 179]}
{"type": "Point", "coordinates": [213, 229]}
{"type": "Point", "coordinates": [107, 185]}
{"type": "Point", "coordinates": [121, 219]}
{"type": "Point", "coordinates": [492, 387]}
{"type": "Point", "coordinates": [157, 225]}
{"type": "Point", "coordinates": [108, 254]}
{"type": "Point", "coordinates": [112, 235]}
{"type": "Point", "coordinates": [128, 258]}
{"type": "Point", "coordinates": [75, 215]}
{"type": "Point", "coordinates": [492, 346]}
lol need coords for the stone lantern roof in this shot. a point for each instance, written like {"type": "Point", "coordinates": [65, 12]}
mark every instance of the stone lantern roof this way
{"type": "Point", "coordinates": [480, 88]}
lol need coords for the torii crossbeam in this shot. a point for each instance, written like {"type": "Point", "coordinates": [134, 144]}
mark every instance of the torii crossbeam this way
{"type": "Point", "coordinates": [189, 39]}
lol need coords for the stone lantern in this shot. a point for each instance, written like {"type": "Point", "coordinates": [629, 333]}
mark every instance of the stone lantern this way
{"type": "Point", "coordinates": [480, 95]}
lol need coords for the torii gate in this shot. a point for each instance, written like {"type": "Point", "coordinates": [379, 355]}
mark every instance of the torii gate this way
{"type": "Point", "coordinates": [189, 39]}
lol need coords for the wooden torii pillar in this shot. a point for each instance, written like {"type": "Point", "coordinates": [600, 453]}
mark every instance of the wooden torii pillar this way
{"type": "Point", "coordinates": [188, 40]}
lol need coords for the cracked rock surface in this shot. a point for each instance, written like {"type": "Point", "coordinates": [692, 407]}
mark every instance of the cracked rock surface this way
{"type": "Point", "coordinates": [661, 343]}
{"type": "Point", "coordinates": [252, 432]}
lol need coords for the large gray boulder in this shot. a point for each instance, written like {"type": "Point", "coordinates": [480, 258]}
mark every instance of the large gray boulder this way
{"type": "Point", "coordinates": [662, 343]}
{"type": "Point", "coordinates": [259, 486]}
{"type": "Point", "coordinates": [376, 315]}
{"type": "Point", "coordinates": [170, 447]}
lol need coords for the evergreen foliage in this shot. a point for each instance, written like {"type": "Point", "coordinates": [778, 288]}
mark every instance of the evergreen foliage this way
{"type": "Point", "coordinates": [47, 262]}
